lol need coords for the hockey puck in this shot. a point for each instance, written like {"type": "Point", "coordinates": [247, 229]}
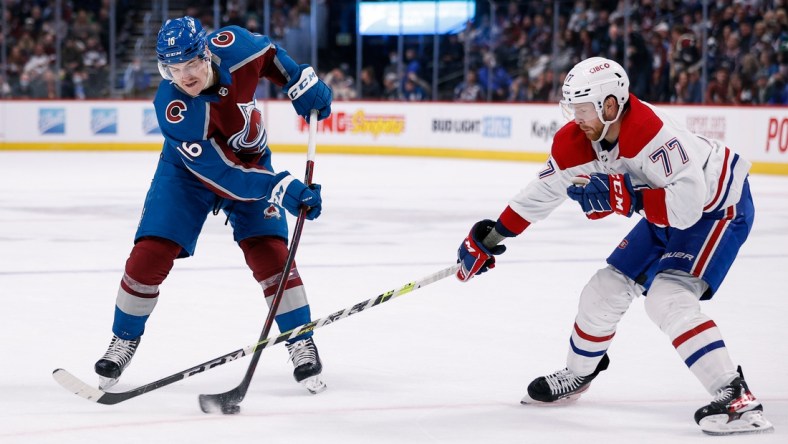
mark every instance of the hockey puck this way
{"type": "Point", "coordinates": [231, 409]}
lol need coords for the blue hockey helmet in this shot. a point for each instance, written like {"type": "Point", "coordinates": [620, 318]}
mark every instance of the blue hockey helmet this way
{"type": "Point", "coordinates": [179, 40]}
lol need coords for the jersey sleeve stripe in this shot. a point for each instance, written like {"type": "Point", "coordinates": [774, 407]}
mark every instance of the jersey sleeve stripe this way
{"type": "Point", "coordinates": [218, 189]}
{"type": "Point", "coordinates": [231, 164]}
{"type": "Point", "coordinates": [207, 120]}
{"type": "Point", "coordinates": [250, 58]}
{"type": "Point", "coordinates": [510, 223]}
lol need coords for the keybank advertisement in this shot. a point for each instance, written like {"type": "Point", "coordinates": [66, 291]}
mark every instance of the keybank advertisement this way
{"type": "Point", "coordinates": [759, 133]}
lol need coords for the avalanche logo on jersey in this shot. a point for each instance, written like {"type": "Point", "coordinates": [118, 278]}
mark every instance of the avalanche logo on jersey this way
{"type": "Point", "coordinates": [223, 39]}
{"type": "Point", "coordinates": [175, 110]}
{"type": "Point", "coordinates": [272, 212]}
{"type": "Point", "coordinates": [252, 137]}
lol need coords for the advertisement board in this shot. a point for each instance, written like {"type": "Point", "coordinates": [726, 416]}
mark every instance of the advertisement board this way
{"type": "Point", "coordinates": [508, 131]}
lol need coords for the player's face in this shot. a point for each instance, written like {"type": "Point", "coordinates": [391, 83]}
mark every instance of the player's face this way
{"type": "Point", "coordinates": [191, 76]}
{"type": "Point", "coordinates": [587, 119]}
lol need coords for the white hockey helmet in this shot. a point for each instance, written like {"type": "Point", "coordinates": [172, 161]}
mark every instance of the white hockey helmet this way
{"type": "Point", "coordinates": [592, 81]}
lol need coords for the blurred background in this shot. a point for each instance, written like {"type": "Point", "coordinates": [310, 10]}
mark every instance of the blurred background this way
{"type": "Point", "coordinates": [684, 52]}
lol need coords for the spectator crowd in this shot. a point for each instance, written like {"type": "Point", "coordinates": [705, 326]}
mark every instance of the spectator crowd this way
{"type": "Point", "coordinates": [507, 53]}
{"type": "Point", "coordinates": [29, 36]}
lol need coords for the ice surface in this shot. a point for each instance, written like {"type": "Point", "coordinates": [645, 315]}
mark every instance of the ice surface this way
{"type": "Point", "coordinates": [447, 363]}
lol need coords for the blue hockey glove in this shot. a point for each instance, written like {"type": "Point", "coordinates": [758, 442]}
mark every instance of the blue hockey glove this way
{"type": "Point", "coordinates": [307, 92]}
{"type": "Point", "coordinates": [599, 194]}
{"type": "Point", "coordinates": [291, 193]}
{"type": "Point", "coordinates": [474, 258]}
{"type": "Point", "coordinates": [299, 195]}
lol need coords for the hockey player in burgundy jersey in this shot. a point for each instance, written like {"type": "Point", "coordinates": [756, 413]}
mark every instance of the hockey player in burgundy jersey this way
{"type": "Point", "coordinates": [624, 156]}
{"type": "Point", "coordinates": [216, 158]}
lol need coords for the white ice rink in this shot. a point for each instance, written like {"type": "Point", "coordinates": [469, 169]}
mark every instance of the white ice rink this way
{"type": "Point", "coordinates": [445, 364]}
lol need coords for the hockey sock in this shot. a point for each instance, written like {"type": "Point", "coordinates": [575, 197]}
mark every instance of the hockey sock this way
{"type": "Point", "coordinates": [266, 257]}
{"type": "Point", "coordinates": [603, 302]}
{"type": "Point", "coordinates": [148, 265]}
{"type": "Point", "coordinates": [673, 304]}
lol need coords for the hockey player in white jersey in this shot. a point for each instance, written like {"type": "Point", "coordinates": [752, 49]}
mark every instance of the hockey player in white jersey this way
{"type": "Point", "coordinates": [624, 156]}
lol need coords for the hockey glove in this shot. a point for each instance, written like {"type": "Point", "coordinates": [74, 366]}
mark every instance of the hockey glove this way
{"type": "Point", "coordinates": [307, 92]}
{"type": "Point", "coordinates": [474, 258]}
{"type": "Point", "coordinates": [601, 194]}
{"type": "Point", "coordinates": [291, 193]}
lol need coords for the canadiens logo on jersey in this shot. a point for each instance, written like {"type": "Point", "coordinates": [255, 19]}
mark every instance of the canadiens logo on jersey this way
{"type": "Point", "coordinates": [252, 137]}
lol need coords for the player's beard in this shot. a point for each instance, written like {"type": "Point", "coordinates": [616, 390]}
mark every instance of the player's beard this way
{"type": "Point", "coordinates": [592, 132]}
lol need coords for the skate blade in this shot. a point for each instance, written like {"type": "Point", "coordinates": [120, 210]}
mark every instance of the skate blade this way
{"type": "Point", "coordinates": [748, 423]}
{"type": "Point", "coordinates": [106, 383]}
{"type": "Point", "coordinates": [314, 384]}
{"type": "Point", "coordinates": [567, 400]}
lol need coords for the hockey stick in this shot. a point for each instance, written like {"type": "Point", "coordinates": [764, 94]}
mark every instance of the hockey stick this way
{"type": "Point", "coordinates": [89, 392]}
{"type": "Point", "coordinates": [227, 402]}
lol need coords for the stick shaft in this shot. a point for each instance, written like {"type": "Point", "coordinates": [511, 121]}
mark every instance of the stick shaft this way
{"type": "Point", "coordinates": [240, 391]}
{"type": "Point", "coordinates": [87, 391]}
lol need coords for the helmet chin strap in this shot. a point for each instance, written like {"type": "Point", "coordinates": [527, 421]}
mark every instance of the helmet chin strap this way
{"type": "Point", "coordinates": [209, 81]}
{"type": "Point", "coordinates": [607, 123]}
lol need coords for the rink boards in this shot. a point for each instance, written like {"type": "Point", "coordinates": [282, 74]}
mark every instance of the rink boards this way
{"type": "Point", "coordinates": [521, 132]}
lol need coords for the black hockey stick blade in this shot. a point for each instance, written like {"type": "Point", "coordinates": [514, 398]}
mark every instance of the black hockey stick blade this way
{"type": "Point", "coordinates": [91, 393]}
{"type": "Point", "coordinates": [226, 402]}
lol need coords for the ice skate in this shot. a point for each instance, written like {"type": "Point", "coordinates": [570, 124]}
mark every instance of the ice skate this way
{"type": "Point", "coordinates": [307, 365]}
{"type": "Point", "coordinates": [115, 360]}
{"type": "Point", "coordinates": [562, 386]}
{"type": "Point", "coordinates": [734, 410]}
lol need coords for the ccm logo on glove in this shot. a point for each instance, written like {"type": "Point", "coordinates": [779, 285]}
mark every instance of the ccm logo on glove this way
{"type": "Point", "coordinates": [601, 194]}
{"type": "Point", "coordinates": [307, 80]}
{"type": "Point", "coordinates": [619, 194]}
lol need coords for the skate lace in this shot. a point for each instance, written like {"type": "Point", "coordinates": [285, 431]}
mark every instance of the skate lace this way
{"type": "Point", "coordinates": [302, 352]}
{"type": "Point", "coordinates": [563, 381]}
{"type": "Point", "coordinates": [120, 351]}
{"type": "Point", "coordinates": [724, 395]}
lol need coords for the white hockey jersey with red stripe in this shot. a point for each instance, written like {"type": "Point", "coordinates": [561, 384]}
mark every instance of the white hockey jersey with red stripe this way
{"type": "Point", "coordinates": [682, 174]}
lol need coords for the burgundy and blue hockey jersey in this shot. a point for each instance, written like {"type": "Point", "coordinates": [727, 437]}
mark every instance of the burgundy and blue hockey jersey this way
{"type": "Point", "coordinates": [219, 136]}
